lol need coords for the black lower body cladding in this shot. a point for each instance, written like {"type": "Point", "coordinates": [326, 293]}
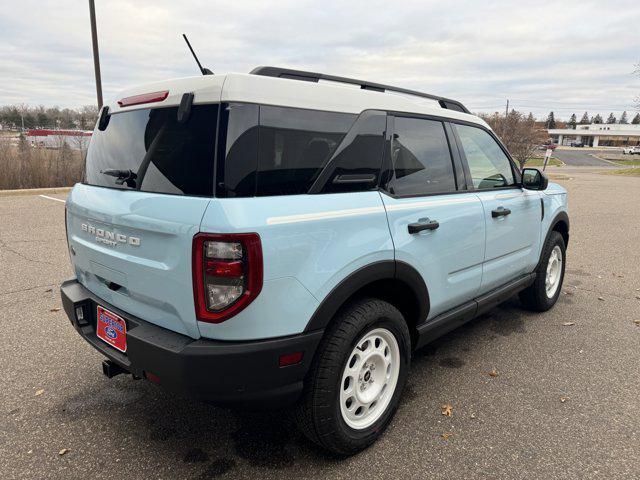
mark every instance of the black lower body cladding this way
{"type": "Point", "coordinates": [244, 373]}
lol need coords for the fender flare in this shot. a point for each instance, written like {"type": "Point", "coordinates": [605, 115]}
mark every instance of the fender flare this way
{"type": "Point", "coordinates": [363, 277]}
{"type": "Point", "coordinates": [560, 217]}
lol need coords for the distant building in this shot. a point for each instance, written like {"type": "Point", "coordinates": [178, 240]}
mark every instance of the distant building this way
{"type": "Point", "coordinates": [75, 139]}
{"type": "Point", "coordinates": [598, 135]}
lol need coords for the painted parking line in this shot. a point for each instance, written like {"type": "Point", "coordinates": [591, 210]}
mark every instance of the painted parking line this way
{"type": "Point", "coordinates": [51, 198]}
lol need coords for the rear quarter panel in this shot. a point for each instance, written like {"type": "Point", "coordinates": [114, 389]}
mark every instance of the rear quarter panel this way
{"type": "Point", "coordinates": [310, 243]}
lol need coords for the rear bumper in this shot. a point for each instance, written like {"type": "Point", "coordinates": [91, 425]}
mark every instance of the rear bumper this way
{"type": "Point", "coordinates": [245, 373]}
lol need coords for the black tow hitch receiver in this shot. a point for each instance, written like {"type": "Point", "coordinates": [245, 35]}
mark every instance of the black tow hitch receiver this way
{"type": "Point", "coordinates": [111, 369]}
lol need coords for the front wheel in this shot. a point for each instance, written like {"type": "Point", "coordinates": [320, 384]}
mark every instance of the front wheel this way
{"type": "Point", "coordinates": [354, 386]}
{"type": "Point", "coordinates": [545, 290]}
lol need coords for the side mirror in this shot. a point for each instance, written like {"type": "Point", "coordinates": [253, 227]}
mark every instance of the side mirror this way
{"type": "Point", "coordinates": [534, 179]}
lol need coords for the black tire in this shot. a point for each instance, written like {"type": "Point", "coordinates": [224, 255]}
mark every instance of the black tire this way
{"type": "Point", "coordinates": [318, 412]}
{"type": "Point", "coordinates": [535, 296]}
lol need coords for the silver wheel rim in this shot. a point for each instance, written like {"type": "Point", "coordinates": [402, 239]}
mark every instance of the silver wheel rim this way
{"type": "Point", "coordinates": [369, 378]}
{"type": "Point", "coordinates": [554, 271]}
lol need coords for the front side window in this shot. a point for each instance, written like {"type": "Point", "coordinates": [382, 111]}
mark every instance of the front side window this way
{"type": "Point", "coordinates": [489, 165]}
{"type": "Point", "coordinates": [421, 158]}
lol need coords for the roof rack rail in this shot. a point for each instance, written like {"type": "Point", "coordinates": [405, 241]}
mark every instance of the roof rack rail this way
{"type": "Point", "coordinates": [364, 85]}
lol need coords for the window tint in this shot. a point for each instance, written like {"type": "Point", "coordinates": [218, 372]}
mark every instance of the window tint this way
{"type": "Point", "coordinates": [294, 146]}
{"type": "Point", "coordinates": [238, 147]}
{"type": "Point", "coordinates": [488, 164]}
{"type": "Point", "coordinates": [355, 165]}
{"type": "Point", "coordinates": [165, 156]}
{"type": "Point", "coordinates": [421, 158]}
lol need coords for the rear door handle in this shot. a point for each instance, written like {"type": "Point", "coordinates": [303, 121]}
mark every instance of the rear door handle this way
{"type": "Point", "coordinates": [420, 226]}
{"type": "Point", "coordinates": [500, 212]}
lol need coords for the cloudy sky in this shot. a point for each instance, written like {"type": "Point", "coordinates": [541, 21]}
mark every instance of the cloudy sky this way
{"type": "Point", "coordinates": [569, 56]}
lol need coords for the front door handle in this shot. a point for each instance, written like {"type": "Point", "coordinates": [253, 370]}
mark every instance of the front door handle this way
{"type": "Point", "coordinates": [500, 212]}
{"type": "Point", "coordinates": [420, 226]}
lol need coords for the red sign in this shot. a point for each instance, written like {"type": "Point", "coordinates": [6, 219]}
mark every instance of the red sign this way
{"type": "Point", "coordinates": [58, 133]}
{"type": "Point", "coordinates": [112, 329]}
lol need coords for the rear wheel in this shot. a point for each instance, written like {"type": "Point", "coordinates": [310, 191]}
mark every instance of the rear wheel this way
{"type": "Point", "coordinates": [369, 378]}
{"type": "Point", "coordinates": [356, 381]}
{"type": "Point", "coordinates": [545, 290]}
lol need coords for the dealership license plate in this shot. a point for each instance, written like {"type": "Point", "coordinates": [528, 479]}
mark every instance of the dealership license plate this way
{"type": "Point", "coordinates": [112, 329]}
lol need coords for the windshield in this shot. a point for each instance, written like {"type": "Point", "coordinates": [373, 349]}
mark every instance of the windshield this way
{"type": "Point", "coordinates": [149, 150]}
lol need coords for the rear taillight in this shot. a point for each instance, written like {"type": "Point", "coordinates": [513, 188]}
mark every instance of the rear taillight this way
{"type": "Point", "coordinates": [227, 274]}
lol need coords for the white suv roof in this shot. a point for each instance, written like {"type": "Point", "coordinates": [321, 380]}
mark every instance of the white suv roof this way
{"type": "Point", "coordinates": [321, 94]}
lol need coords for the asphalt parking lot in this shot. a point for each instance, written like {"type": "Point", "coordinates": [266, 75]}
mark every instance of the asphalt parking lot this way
{"type": "Point", "coordinates": [582, 157]}
{"type": "Point", "coordinates": [565, 401]}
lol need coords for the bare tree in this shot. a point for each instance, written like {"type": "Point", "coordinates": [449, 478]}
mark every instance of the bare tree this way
{"type": "Point", "coordinates": [88, 117]}
{"type": "Point", "coordinates": [14, 116]}
{"type": "Point", "coordinates": [518, 133]}
{"type": "Point", "coordinates": [80, 143]}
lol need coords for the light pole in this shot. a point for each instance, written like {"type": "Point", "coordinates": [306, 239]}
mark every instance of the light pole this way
{"type": "Point", "coordinates": [96, 56]}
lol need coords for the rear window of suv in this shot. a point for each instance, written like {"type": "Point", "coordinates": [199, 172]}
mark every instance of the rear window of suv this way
{"type": "Point", "coordinates": [165, 156]}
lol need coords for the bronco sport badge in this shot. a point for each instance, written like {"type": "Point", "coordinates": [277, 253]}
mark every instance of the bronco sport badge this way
{"type": "Point", "coordinates": [110, 238]}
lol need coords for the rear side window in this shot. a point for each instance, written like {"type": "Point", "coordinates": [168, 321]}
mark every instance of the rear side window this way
{"type": "Point", "coordinates": [294, 146]}
{"type": "Point", "coordinates": [163, 155]}
{"type": "Point", "coordinates": [355, 165]}
{"type": "Point", "coordinates": [237, 150]}
{"type": "Point", "coordinates": [421, 158]}
{"type": "Point", "coordinates": [488, 164]}
{"type": "Point", "coordinates": [264, 150]}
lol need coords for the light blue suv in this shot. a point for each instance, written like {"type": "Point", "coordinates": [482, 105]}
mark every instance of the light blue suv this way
{"type": "Point", "coordinates": [290, 238]}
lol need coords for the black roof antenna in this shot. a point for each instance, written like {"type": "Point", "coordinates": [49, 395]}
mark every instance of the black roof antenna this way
{"type": "Point", "coordinates": [205, 71]}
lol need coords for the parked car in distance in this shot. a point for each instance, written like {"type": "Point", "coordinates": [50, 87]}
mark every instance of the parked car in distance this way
{"type": "Point", "coordinates": [547, 146]}
{"type": "Point", "coordinates": [275, 239]}
{"type": "Point", "coordinates": [635, 150]}
{"type": "Point", "coordinates": [577, 144]}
